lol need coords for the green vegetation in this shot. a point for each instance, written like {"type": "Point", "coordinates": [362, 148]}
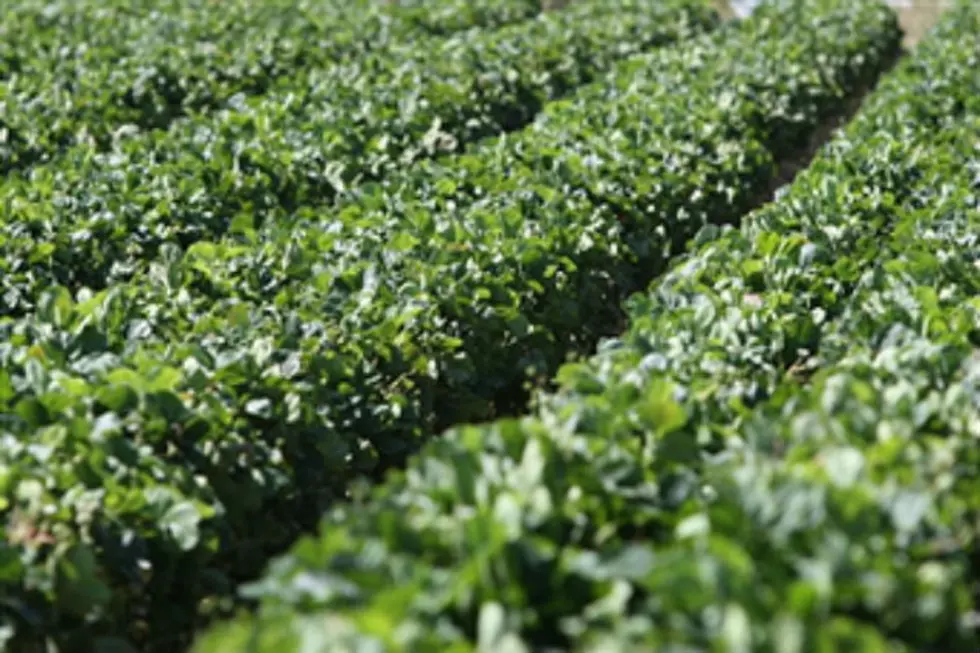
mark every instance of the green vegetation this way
{"type": "Point", "coordinates": [91, 71]}
{"type": "Point", "coordinates": [91, 218]}
{"type": "Point", "coordinates": [256, 253]}
{"type": "Point", "coordinates": [143, 479]}
{"type": "Point", "coordinates": [778, 455]}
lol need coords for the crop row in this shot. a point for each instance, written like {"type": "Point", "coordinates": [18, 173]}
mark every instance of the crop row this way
{"type": "Point", "coordinates": [90, 72]}
{"type": "Point", "coordinates": [314, 113]}
{"type": "Point", "coordinates": [64, 37]}
{"type": "Point", "coordinates": [779, 454]}
{"type": "Point", "coordinates": [91, 218]}
{"type": "Point", "coordinates": [163, 437]}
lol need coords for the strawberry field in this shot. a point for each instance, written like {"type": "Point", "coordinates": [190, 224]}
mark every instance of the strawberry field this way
{"type": "Point", "coordinates": [488, 326]}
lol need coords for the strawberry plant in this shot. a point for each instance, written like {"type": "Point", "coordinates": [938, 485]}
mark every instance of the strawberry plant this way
{"type": "Point", "coordinates": [92, 72]}
{"type": "Point", "coordinates": [168, 434]}
{"type": "Point", "coordinates": [92, 218]}
{"type": "Point", "coordinates": [275, 70]}
{"type": "Point", "coordinates": [779, 454]}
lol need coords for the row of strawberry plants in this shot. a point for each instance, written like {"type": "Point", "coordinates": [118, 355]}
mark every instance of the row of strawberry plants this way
{"type": "Point", "coordinates": [92, 217]}
{"type": "Point", "coordinates": [164, 436]}
{"type": "Point", "coordinates": [779, 455]}
{"type": "Point", "coordinates": [89, 73]}
{"type": "Point", "coordinates": [63, 35]}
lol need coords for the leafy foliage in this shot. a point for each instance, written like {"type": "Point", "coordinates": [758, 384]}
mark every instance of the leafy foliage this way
{"type": "Point", "coordinates": [778, 455]}
{"type": "Point", "coordinates": [163, 437]}
{"type": "Point", "coordinates": [91, 71]}
{"type": "Point", "coordinates": [120, 457]}
{"type": "Point", "coordinates": [92, 218]}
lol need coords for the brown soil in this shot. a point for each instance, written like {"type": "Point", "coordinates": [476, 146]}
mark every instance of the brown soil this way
{"type": "Point", "coordinates": [917, 18]}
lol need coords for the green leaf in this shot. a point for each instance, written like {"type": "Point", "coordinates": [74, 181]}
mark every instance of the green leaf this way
{"type": "Point", "coordinates": [11, 567]}
{"type": "Point", "coordinates": [259, 408]}
{"type": "Point", "coordinates": [182, 522]}
{"type": "Point", "coordinates": [78, 586]}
